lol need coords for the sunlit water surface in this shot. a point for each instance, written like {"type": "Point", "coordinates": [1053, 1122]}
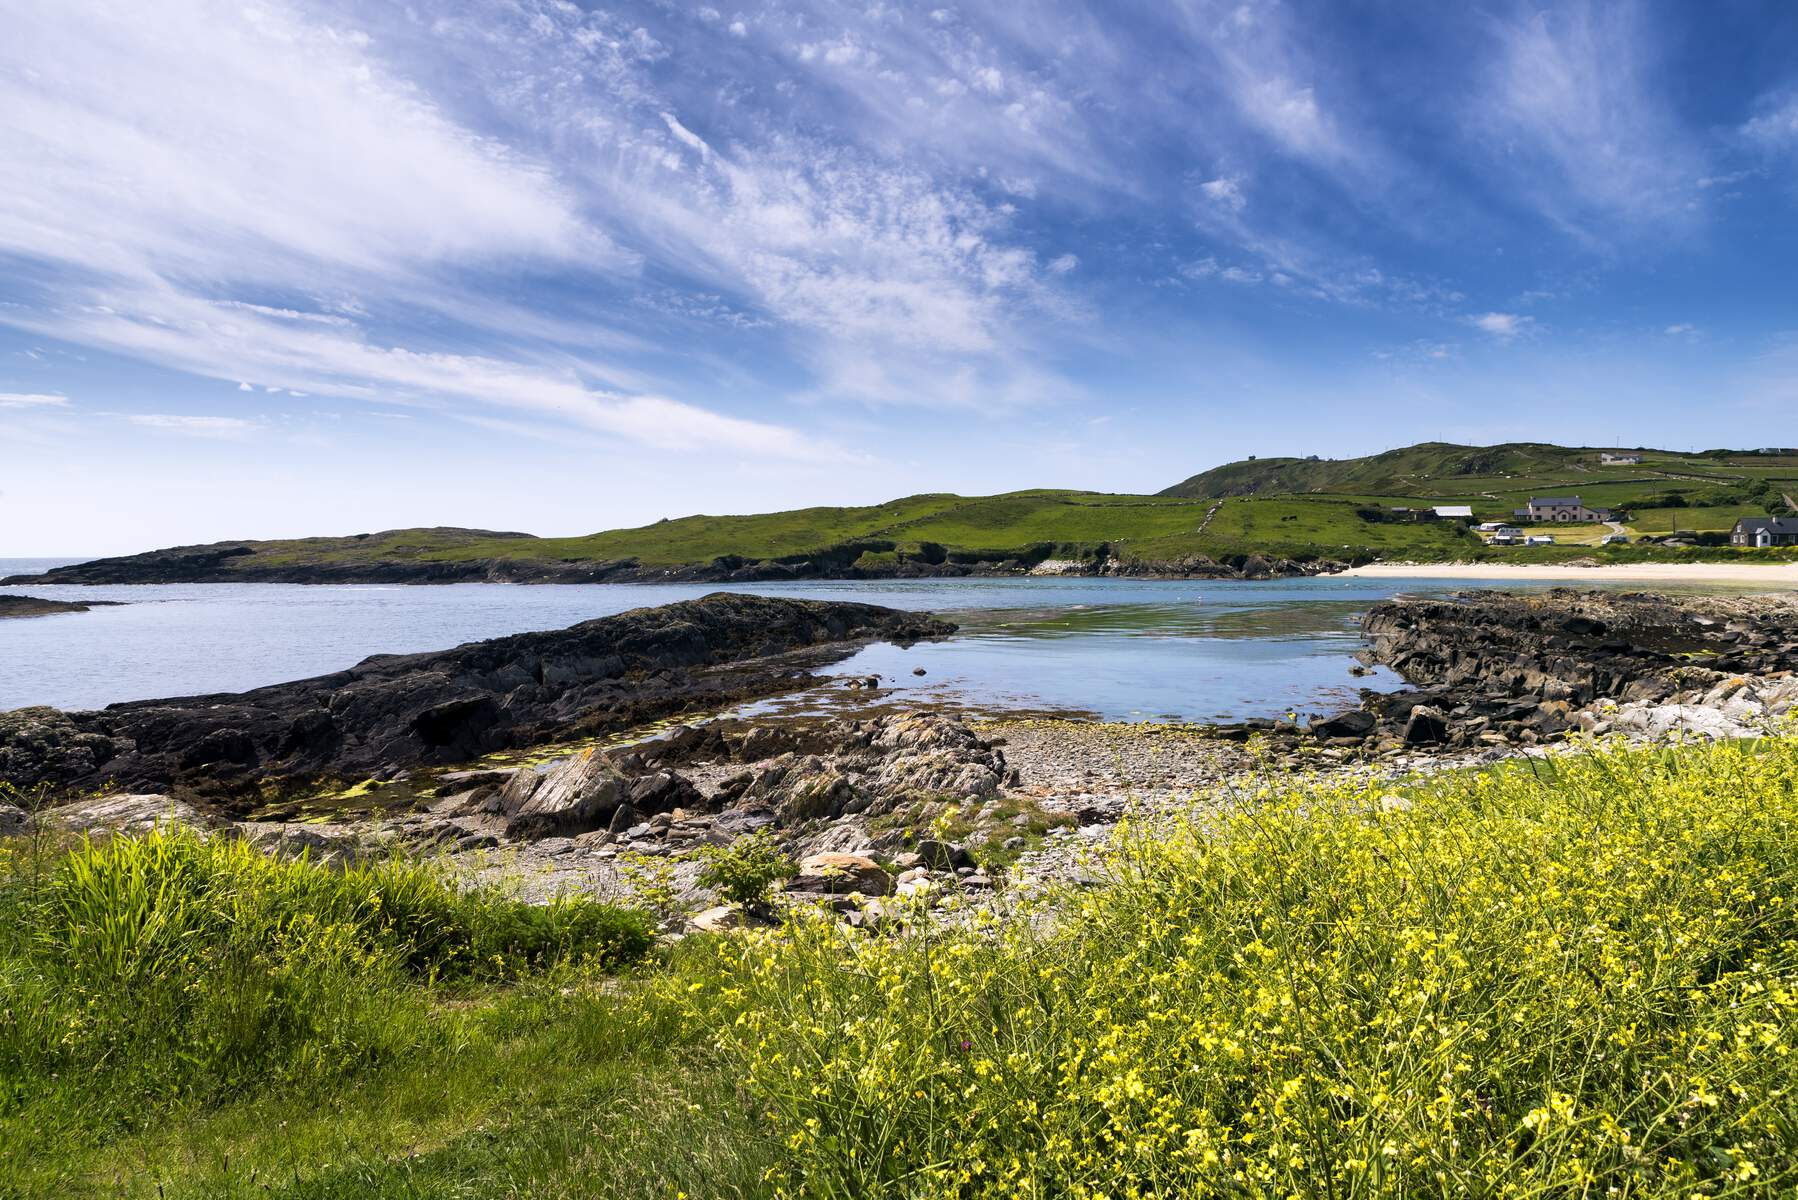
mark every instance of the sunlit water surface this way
{"type": "Point", "coordinates": [1117, 649]}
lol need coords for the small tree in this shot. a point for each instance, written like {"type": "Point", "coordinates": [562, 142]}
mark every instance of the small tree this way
{"type": "Point", "coordinates": [744, 870]}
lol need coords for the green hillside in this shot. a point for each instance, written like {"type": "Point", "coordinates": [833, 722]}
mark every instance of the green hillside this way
{"type": "Point", "coordinates": [1500, 475]}
{"type": "Point", "coordinates": [1031, 525]}
{"type": "Point", "coordinates": [1302, 509]}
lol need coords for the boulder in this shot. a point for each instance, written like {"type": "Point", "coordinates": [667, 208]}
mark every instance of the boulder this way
{"type": "Point", "coordinates": [13, 820]}
{"type": "Point", "coordinates": [1354, 723]}
{"type": "Point", "coordinates": [943, 856]}
{"type": "Point", "coordinates": [318, 842]}
{"type": "Point", "coordinates": [132, 813]}
{"type": "Point", "coordinates": [719, 919]}
{"type": "Point", "coordinates": [840, 874]}
{"type": "Point", "coordinates": [1674, 721]}
{"type": "Point", "coordinates": [1426, 726]}
{"type": "Point", "coordinates": [573, 797]}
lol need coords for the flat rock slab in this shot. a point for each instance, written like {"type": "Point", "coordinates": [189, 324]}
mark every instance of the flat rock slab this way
{"type": "Point", "coordinates": [448, 706]}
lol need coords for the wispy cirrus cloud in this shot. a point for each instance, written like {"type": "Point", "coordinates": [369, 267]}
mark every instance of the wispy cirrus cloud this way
{"type": "Point", "coordinates": [1578, 123]}
{"type": "Point", "coordinates": [284, 156]}
{"type": "Point", "coordinates": [36, 400]}
{"type": "Point", "coordinates": [1775, 126]}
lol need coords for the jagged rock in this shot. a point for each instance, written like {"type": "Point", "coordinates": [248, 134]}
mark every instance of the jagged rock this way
{"type": "Point", "coordinates": [719, 919]}
{"type": "Point", "coordinates": [317, 842]}
{"type": "Point", "coordinates": [1354, 723]}
{"type": "Point", "coordinates": [1678, 720]}
{"type": "Point", "coordinates": [764, 741]}
{"type": "Point", "coordinates": [573, 797]}
{"type": "Point", "coordinates": [13, 820]}
{"type": "Point", "coordinates": [840, 874]}
{"type": "Point", "coordinates": [132, 813]}
{"type": "Point", "coordinates": [46, 745]}
{"type": "Point", "coordinates": [943, 856]}
{"type": "Point", "coordinates": [1426, 725]}
{"type": "Point", "coordinates": [395, 711]}
{"type": "Point", "coordinates": [1533, 666]}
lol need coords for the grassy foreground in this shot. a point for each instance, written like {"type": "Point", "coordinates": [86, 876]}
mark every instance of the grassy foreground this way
{"type": "Point", "coordinates": [1577, 978]}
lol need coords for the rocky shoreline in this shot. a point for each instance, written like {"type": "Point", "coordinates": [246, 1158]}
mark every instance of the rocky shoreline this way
{"type": "Point", "coordinates": [393, 712]}
{"type": "Point", "coordinates": [231, 563]}
{"type": "Point", "coordinates": [896, 803]}
{"type": "Point", "coordinates": [34, 606]}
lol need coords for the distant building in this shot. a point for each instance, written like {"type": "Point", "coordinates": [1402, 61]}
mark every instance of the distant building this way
{"type": "Point", "coordinates": [1539, 539]}
{"type": "Point", "coordinates": [1502, 534]}
{"type": "Point", "coordinates": [1562, 508]}
{"type": "Point", "coordinates": [1454, 512]}
{"type": "Point", "coordinates": [1761, 532]}
{"type": "Point", "coordinates": [1619, 460]}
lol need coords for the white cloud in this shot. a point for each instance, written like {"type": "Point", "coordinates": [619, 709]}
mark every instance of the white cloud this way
{"type": "Point", "coordinates": [1064, 263]}
{"type": "Point", "coordinates": [300, 358]}
{"type": "Point", "coordinates": [1227, 192]}
{"type": "Point", "coordinates": [32, 400]}
{"type": "Point", "coordinates": [686, 136]}
{"type": "Point", "coordinates": [1680, 330]}
{"type": "Point", "coordinates": [1502, 325]}
{"type": "Point", "coordinates": [1776, 125]}
{"type": "Point", "coordinates": [1575, 119]}
{"type": "Point", "coordinates": [281, 155]}
{"type": "Point", "coordinates": [275, 147]}
{"type": "Point", "coordinates": [223, 428]}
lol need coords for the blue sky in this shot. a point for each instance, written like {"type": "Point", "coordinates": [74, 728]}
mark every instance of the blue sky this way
{"type": "Point", "coordinates": [271, 269]}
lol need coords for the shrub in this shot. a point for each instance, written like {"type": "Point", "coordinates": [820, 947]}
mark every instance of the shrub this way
{"type": "Point", "coordinates": [744, 870]}
{"type": "Point", "coordinates": [1579, 978]}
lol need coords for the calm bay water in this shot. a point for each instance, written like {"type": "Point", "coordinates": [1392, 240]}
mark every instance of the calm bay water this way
{"type": "Point", "coordinates": [1119, 649]}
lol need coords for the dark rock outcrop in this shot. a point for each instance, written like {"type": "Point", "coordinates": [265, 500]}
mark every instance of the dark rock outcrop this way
{"type": "Point", "coordinates": [34, 606]}
{"type": "Point", "coordinates": [449, 706]}
{"type": "Point", "coordinates": [1499, 668]}
{"type": "Point", "coordinates": [231, 562]}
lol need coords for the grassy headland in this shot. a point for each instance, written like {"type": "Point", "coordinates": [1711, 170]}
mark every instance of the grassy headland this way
{"type": "Point", "coordinates": [1571, 977]}
{"type": "Point", "coordinates": [1296, 509]}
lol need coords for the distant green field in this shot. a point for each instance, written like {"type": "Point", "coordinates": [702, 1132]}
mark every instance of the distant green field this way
{"type": "Point", "coordinates": [1291, 508]}
{"type": "Point", "coordinates": [1692, 520]}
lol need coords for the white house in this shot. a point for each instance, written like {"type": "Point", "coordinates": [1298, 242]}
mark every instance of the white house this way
{"type": "Point", "coordinates": [1562, 508]}
{"type": "Point", "coordinates": [1606, 458]}
{"type": "Point", "coordinates": [1762, 532]}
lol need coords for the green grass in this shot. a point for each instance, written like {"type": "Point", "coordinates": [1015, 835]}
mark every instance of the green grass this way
{"type": "Point", "coordinates": [1502, 475]}
{"type": "Point", "coordinates": [1717, 519]}
{"type": "Point", "coordinates": [167, 971]}
{"type": "Point", "coordinates": [1290, 508]}
{"type": "Point", "coordinates": [1575, 977]}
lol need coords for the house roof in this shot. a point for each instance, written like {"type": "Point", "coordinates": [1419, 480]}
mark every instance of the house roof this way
{"type": "Point", "coordinates": [1552, 501]}
{"type": "Point", "coordinates": [1454, 510]}
{"type": "Point", "coordinates": [1780, 525]}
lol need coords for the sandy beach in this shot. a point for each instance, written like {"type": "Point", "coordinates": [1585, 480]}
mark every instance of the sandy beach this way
{"type": "Point", "coordinates": [1773, 575]}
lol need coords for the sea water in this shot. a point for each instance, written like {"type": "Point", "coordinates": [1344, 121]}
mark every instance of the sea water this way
{"type": "Point", "coordinates": [1118, 649]}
